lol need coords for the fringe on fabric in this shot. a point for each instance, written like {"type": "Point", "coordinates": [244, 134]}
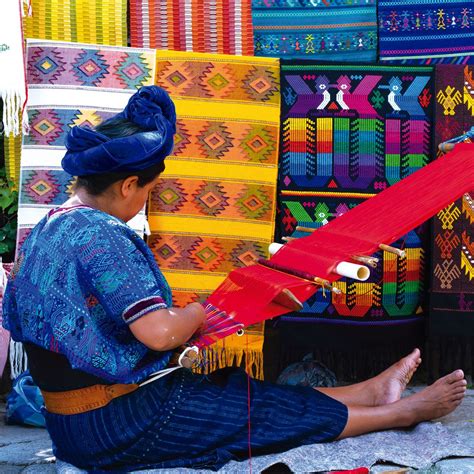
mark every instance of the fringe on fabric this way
{"type": "Point", "coordinates": [222, 354]}
{"type": "Point", "coordinates": [27, 9]}
{"type": "Point", "coordinates": [18, 359]}
{"type": "Point", "coordinates": [12, 65]}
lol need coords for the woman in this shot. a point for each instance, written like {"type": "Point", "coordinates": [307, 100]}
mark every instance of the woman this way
{"type": "Point", "coordinates": [95, 314]}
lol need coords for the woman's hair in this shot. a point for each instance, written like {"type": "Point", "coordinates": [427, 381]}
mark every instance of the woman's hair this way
{"type": "Point", "coordinates": [96, 184]}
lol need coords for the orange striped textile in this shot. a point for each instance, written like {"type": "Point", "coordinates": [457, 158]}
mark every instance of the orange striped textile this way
{"type": "Point", "coordinates": [206, 26]}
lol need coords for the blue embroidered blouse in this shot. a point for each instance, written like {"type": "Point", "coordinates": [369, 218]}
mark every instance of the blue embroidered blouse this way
{"type": "Point", "coordinates": [81, 277]}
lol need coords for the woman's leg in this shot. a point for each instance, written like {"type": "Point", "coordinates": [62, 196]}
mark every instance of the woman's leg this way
{"type": "Point", "coordinates": [386, 387]}
{"type": "Point", "coordinates": [435, 401]}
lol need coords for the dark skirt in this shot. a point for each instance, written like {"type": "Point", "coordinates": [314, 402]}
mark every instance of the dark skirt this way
{"type": "Point", "coordinates": [193, 421]}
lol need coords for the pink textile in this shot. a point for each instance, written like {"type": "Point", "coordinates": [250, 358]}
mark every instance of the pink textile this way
{"type": "Point", "coordinates": [4, 334]}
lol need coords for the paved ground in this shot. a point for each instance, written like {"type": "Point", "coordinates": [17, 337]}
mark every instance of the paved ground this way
{"type": "Point", "coordinates": [28, 450]}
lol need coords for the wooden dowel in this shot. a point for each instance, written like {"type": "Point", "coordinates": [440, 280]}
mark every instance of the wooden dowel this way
{"type": "Point", "coordinates": [288, 239]}
{"type": "Point", "coordinates": [387, 248]}
{"type": "Point", "coordinates": [371, 261]}
{"type": "Point", "coordinates": [299, 274]}
{"type": "Point", "coordinates": [309, 230]}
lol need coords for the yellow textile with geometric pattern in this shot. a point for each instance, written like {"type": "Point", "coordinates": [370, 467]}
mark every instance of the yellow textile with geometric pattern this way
{"type": "Point", "coordinates": [81, 21]}
{"type": "Point", "coordinates": [214, 209]}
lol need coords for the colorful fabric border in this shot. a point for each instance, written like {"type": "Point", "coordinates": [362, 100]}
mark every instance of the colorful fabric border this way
{"type": "Point", "coordinates": [452, 275]}
{"type": "Point", "coordinates": [348, 132]}
{"type": "Point", "coordinates": [81, 21]}
{"type": "Point", "coordinates": [426, 31]}
{"type": "Point", "coordinates": [328, 30]}
{"type": "Point", "coordinates": [214, 208]}
{"type": "Point", "coordinates": [70, 84]}
{"type": "Point", "coordinates": [222, 27]}
{"type": "Point", "coordinates": [12, 156]}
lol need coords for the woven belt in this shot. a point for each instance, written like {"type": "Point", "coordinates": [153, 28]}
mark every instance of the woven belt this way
{"type": "Point", "coordinates": [73, 402]}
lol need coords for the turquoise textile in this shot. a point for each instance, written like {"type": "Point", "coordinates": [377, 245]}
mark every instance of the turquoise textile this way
{"type": "Point", "coordinates": [81, 277]}
{"type": "Point", "coordinates": [323, 30]}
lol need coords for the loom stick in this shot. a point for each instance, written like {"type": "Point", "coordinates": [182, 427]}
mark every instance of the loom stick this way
{"type": "Point", "coordinates": [389, 249]}
{"type": "Point", "coordinates": [371, 261]}
{"type": "Point", "coordinates": [308, 230]}
{"type": "Point", "coordinates": [303, 275]}
{"type": "Point", "coordinates": [345, 269]}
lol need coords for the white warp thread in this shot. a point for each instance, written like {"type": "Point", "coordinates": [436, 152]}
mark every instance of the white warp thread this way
{"type": "Point", "coordinates": [12, 65]}
{"type": "Point", "coordinates": [18, 359]}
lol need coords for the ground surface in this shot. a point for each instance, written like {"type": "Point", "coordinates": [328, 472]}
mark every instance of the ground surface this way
{"type": "Point", "coordinates": [28, 450]}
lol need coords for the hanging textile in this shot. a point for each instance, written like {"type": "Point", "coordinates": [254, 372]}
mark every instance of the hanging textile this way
{"type": "Point", "coordinates": [12, 84]}
{"type": "Point", "coordinates": [206, 26]}
{"type": "Point", "coordinates": [349, 132]}
{"type": "Point", "coordinates": [82, 21]}
{"type": "Point", "coordinates": [427, 32]}
{"type": "Point", "coordinates": [214, 208]}
{"type": "Point", "coordinates": [70, 84]}
{"type": "Point", "coordinates": [328, 30]}
{"type": "Point", "coordinates": [12, 79]}
{"type": "Point", "coordinates": [452, 270]}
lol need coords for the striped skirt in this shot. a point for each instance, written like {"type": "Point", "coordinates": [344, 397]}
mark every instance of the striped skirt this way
{"type": "Point", "coordinates": [194, 421]}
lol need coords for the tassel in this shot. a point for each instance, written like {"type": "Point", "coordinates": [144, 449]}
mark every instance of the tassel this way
{"type": "Point", "coordinates": [12, 104]}
{"type": "Point", "coordinates": [18, 359]}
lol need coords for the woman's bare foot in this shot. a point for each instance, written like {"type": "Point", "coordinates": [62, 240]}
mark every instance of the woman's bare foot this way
{"type": "Point", "coordinates": [437, 400]}
{"type": "Point", "coordinates": [433, 402]}
{"type": "Point", "coordinates": [385, 388]}
{"type": "Point", "coordinates": [389, 385]}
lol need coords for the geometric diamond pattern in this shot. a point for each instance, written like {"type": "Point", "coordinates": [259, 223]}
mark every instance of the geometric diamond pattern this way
{"type": "Point", "coordinates": [260, 83]}
{"type": "Point", "coordinates": [45, 127]}
{"type": "Point", "coordinates": [206, 254]}
{"type": "Point", "coordinates": [258, 144]}
{"type": "Point", "coordinates": [90, 68]}
{"type": "Point", "coordinates": [168, 196]}
{"type": "Point", "coordinates": [211, 198]}
{"type": "Point", "coordinates": [40, 186]}
{"type": "Point", "coordinates": [215, 140]}
{"type": "Point", "coordinates": [253, 202]}
{"type": "Point", "coordinates": [133, 70]}
{"type": "Point", "coordinates": [246, 253]}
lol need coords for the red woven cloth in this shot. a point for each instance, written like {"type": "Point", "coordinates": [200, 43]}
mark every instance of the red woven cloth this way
{"type": "Point", "coordinates": [247, 295]}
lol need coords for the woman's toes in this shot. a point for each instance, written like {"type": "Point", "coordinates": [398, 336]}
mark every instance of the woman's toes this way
{"type": "Point", "coordinates": [460, 383]}
{"type": "Point", "coordinates": [455, 376]}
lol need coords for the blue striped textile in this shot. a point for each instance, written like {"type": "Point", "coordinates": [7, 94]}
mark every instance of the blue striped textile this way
{"type": "Point", "coordinates": [194, 421]}
{"type": "Point", "coordinates": [327, 30]}
{"type": "Point", "coordinates": [426, 31]}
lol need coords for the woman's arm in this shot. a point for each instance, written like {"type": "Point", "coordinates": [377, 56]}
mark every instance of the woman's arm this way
{"type": "Point", "coordinates": [168, 328]}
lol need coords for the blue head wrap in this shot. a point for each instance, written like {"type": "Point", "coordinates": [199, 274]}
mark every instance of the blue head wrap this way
{"type": "Point", "coordinates": [90, 152]}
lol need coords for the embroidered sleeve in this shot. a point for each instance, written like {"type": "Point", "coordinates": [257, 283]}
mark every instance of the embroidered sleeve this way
{"type": "Point", "coordinates": [117, 268]}
{"type": "Point", "coordinates": [144, 306]}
